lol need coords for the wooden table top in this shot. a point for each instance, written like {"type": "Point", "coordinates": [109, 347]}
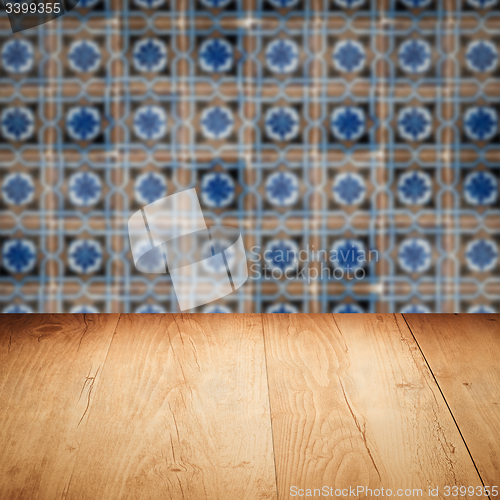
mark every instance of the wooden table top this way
{"type": "Point", "coordinates": [249, 406]}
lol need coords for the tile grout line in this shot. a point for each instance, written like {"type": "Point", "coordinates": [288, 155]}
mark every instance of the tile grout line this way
{"type": "Point", "coordinates": [269, 400]}
{"type": "Point", "coordinates": [446, 402]}
{"type": "Point", "coordinates": [66, 491]}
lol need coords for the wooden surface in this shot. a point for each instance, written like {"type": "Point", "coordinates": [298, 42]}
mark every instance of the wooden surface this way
{"type": "Point", "coordinates": [50, 369]}
{"type": "Point", "coordinates": [183, 413]}
{"type": "Point", "coordinates": [246, 406]}
{"type": "Point", "coordinates": [353, 402]}
{"type": "Point", "coordinates": [464, 353]}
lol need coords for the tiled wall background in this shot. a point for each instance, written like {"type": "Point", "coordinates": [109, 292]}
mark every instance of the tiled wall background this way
{"type": "Point", "coordinates": [322, 124]}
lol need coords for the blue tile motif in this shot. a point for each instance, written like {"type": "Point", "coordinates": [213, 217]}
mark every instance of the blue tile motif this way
{"type": "Point", "coordinates": [84, 56]}
{"type": "Point", "coordinates": [150, 187]}
{"type": "Point", "coordinates": [84, 256]}
{"type": "Point", "coordinates": [150, 123]}
{"type": "Point", "coordinates": [217, 122]}
{"type": "Point", "coordinates": [19, 256]}
{"type": "Point", "coordinates": [282, 56]}
{"type": "Point", "coordinates": [415, 255]}
{"type": "Point", "coordinates": [282, 189]}
{"type": "Point", "coordinates": [150, 55]}
{"type": "Point", "coordinates": [348, 123]}
{"type": "Point", "coordinates": [17, 56]}
{"type": "Point", "coordinates": [349, 56]}
{"type": "Point", "coordinates": [17, 123]}
{"type": "Point", "coordinates": [83, 123]}
{"type": "Point", "coordinates": [282, 123]}
{"type": "Point", "coordinates": [217, 189]}
{"type": "Point", "coordinates": [415, 188]}
{"type": "Point", "coordinates": [216, 56]}
{"type": "Point", "coordinates": [338, 136]}
{"type": "Point", "coordinates": [349, 189]}
{"type": "Point", "coordinates": [18, 189]}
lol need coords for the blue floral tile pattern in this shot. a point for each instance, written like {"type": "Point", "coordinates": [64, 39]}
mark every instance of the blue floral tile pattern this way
{"type": "Point", "coordinates": [84, 56]}
{"type": "Point", "coordinates": [85, 189]}
{"type": "Point", "coordinates": [481, 56]}
{"type": "Point", "coordinates": [150, 187]}
{"type": "Point", "coordinates": [415, 56]}
{"type": "Point", "coordinates": [84, 256]}
{"type": "Point", "coordinates": [349, 56]}
{"type": "Point", "coordinates": [18, 189]}
{"type": "Point", "coordinates": [282, 123]}
{"type": "Point", "coordinates": [19, 256]}
{"type": "Point", "coordinates": [349, 189]}
{"type": "Point", "coordinates": [481, 188]}
{"type": "Point", "coordinates": [217, 189]}
{"type": "Point", "coordinates": [348, 123]}
{"type": "Point", "coordinates": [282, 189]}
{"type": "Point", "coordinates": [83, 123]}
{"type": "Point", "coordinates": [150, 55]}
{"type": "Point", "coordinates": [150, 123]}
{"type": "Point", "coordinates": [217, 122]}
{"type": "Point", "coordinates": [415, 255]}
{"type": "Point", "coordinates": [216, 56]}
{"type": "Point", "coordinates": [481, 123]}
{"type": "Point", "coordinates": [414, 124]}
{"type": "Point", "coordinates": [348, 254]}
{"type": "Point", "coordinates": [481, 255]}
{"type": "Point", "coordinates": [17, 123]}
{"type": "Point", "coordinates": [415, 188]}
{"type": "Point", "coordinates": [355, 138]}
{"type": "Point", "coordinates": [281, 255]}
{"type": "Point", "coordinates": [18, 56]}
{"type": "Point", "coordinates": [282, 56]}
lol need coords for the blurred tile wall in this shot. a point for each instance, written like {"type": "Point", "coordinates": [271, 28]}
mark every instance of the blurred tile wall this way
{"type": "Point", "coordinates": [366, 131]}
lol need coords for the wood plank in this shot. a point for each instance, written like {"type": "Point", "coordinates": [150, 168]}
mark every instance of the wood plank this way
{"type": "Point", "coordinates": [50, 366]}
{"type": "Point", "coordinates": [354, 404]}
{"type": "Point", "coordinates": [182, 412]}
{"type": "Point", "coordinates": [463, 352]}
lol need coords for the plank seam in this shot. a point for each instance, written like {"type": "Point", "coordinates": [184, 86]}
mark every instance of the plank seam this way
{"type": "Point", "coordinates": [269, 400]}
{"type": "Point", "coordinates": [444, 399]}
{"type": "Point", "coordinates": [65, 493]}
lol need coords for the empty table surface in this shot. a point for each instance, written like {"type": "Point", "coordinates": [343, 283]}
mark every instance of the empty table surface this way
{"type": "Point", "coordinates": [249, 406]}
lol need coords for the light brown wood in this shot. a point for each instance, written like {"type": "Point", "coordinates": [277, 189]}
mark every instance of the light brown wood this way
{"type": "Point", "coordinates": [463, 352]}
{"type": "Point", "coordinates": [354, 404]}
{"type": "Point", "coordinates": [50, 366]}
{"type": "Point", "coordinates": [182, 412]}
{"type": "Point", "coordinates": [177, 406]}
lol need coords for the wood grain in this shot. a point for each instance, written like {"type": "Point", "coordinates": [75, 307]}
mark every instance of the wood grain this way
{"type": "Point", "coordinates": [182, 412]}
{"type": "Point", "coordinates": [354, 404]}
{"type": "Point", "coordinates": [463, 352]}
{"type": "Point", "coordinates": [50, 367]}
